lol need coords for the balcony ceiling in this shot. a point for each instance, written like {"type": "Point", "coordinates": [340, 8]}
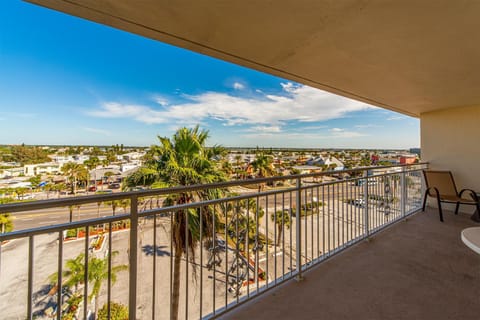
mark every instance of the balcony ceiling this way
{"type": "Point", "coordinates": [410, 56]}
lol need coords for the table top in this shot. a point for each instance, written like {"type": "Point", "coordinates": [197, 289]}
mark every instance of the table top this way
{"type": "Point", "coordinates": [471, 238]}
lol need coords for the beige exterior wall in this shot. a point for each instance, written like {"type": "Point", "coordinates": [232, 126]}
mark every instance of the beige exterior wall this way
{"type": "Point", "coordinates": [450, 140]}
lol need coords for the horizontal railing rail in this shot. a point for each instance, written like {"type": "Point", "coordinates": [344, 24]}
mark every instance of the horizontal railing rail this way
{"type": "Point", "coordinates": [52, 203]}
{"type": "Point", "coordinates": [198, 258]}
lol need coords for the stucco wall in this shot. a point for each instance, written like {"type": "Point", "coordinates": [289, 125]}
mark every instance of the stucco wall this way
{"type": "Point", "coordinates": [450, 140]}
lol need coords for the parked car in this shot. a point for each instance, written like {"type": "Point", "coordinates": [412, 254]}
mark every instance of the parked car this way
{"type": "Point", "coordinates": [114, 186]}
{"type": "Point", "coordinates": [25, 197]}
{"type": "Point", "coordinates": [92, 188]}
{"type": "Point", "coordinates": [359, 202]}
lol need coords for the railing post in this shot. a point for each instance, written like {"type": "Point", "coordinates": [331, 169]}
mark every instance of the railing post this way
{"type": "Point", "coordinates": [365, 201]}
{"type": "Point", "coordinates": [403, 190]}
{"type": "Point", "coordinates": [132, 300]}
{"type": "Point", "coordinates": [298, 211]}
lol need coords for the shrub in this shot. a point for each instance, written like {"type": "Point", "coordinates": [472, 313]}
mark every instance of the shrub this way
{"type": "Point", "coordinates": [118, 311]}
{"type": "Point", "coordinates": [71, 233]}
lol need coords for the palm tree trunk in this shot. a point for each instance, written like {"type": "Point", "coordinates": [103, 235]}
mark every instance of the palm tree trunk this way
{"type": "Point", "coordinates": [280, 231]}
{"type": "Point", "coordinates": [176, 284]}
{"type": "Point", "coordinates": [75, 186]}
{"type": "Point", "coordinates": [96, 306]}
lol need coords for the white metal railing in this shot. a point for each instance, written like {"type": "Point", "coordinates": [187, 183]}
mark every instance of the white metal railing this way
{"type": "Point", "coordinates": [243, 244]}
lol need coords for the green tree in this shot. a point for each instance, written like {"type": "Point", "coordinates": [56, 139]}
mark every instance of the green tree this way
{"type": "Point", "coordinates": [263, 165]}
{"type": "Point", "coordinates": [118, 311]}
{"type": "Point", "coordinates": [92, 164]}
{"type": "Point", "coordinates": [244, 218]}
{"type": "Point", "coordinates": [20, 192]}
{"type": "Point", "coordinates": [143, 176]}
{"type": "Point", "coordinates": [111, 156]}
{"type": "Point", "coordinates": [35, 181]}
{"type": "Point", "coordinates": [114, 204]}
{"type": "Point", "coordinates": [108, 177]}
{"type": "Point", "coordinates": [227, 167]}
{"type": "Point", "coordinates": [73, 272]}
{"type": "Point", "coordinates": [181, 161]}
{"type": "Point", "coordinates": [6, 223]}
{"type": "Point", "coordinates": [98, 272]}
{"type": "Point", "coordinates": [124, 204]}
{"type": "Point", "coordinates": [282, 219]}
{"type": "Point", "coordinates": [28, 155]}
{"type": "Point", "coordinates": [74, 172]}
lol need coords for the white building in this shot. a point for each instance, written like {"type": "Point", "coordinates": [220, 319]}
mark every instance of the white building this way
{"type": "Point", "coordinates": [31, 170]}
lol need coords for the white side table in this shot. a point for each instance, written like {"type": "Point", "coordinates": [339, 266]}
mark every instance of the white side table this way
{"type": "Point", "coordinates": [471, 238]}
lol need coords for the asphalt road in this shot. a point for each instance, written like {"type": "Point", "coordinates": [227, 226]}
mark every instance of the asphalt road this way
{"type": "Point", "coordinates": [46, 217]}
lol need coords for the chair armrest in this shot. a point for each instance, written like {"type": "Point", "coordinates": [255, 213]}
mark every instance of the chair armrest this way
{"type": "Point", "coordinates": [473, 194]}
{"type": "Point", "coordinates": [437, 193]}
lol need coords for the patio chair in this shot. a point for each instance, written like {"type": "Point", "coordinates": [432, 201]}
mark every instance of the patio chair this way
{"type": "Point", "coordinates": [441, 185]}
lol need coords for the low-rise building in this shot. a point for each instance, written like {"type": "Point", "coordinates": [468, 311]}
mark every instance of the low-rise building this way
{"type": "Point", "coordinates": [31, 170]}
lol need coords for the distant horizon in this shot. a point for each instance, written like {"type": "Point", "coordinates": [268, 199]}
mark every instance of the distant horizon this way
{"type": "Point", "coordinates": [69, 81]}
{"type": "Point", "coordinates": [208, 146]}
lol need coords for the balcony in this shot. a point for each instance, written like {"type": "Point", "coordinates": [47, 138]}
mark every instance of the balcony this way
{"type": "Point", "coordinates": [244, 244]}
{"type": "Point", "coordinates": [417, 269]}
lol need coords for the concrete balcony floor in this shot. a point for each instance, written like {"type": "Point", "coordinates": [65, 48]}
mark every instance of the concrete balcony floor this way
{"type": "Point", "coordinates": [418, 269]}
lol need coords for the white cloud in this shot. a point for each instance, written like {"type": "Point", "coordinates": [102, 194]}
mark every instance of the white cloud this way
{"type": "Point", "coordinates": [98, 131]}
{"type": "Point", "coordinates": [238, 86]}
{"type": "Point", "coordinates": [295, 103]}
{"type": "Point", "coordinates": [363, 126]}
{"type": "Point", "coordinates": [161, 100]}
{"type": "Point", "coordinates": [308, 128]}
{"type": "Point", "coordinates": [298, 136]}
{"type": "Point", "coordinates": [265, 129]}
{"type": "Point", "coordinates": [342, 133]}
{"type": "Point", "coordinates": [393, 118]}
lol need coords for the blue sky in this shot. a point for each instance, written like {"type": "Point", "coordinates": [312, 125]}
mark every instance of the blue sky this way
{"type": "Point", "coordinates": [64, 80]}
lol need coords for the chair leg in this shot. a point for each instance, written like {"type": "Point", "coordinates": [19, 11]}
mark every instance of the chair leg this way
{"type": "Point", "coordinates": [424, 200]}
{"type": "Point", "coordinates": [440, 208]}
{"type": "Point", "coordinates": [456, 208]}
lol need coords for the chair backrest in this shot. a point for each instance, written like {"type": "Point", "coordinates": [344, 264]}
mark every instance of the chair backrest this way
{"type": "Point", "coordinates": [442, 180]}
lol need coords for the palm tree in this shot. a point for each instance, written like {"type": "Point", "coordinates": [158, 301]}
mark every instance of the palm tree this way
{"type": "Point", "coordinates": [227, 167]}
{"type": "Point", "coordinates": [20, 192]}
{"type": "Point", "coordinates": [238, 162]}
{"type": "Point", "coordinates": [6, 222]}
{"type": "Point", "coordinates": [98, 272]}
{"type": "Point", "coordinates": [73, 273]}
{"type": "Point", "coordinates": [74, 172]}
{"type": "Point", "coordinates": [124, 204]}
{"type": "Point", "coordinates": [99, 203]}
{"type": "Point", "coordinates": [245, 218]}
{"type": "Point", "coordinates": [181, 161]}
{"type": "Point", "coordinates": [114, 204]}
{"type": "Point", "coordinates": [108, 175]}
{"type": "Point", "coordinates": [92, 164]}
{"type": "Point", "coordinates": [143, 176]}
{"type": "Point", "coordinates": [282, 219]}
{"type": "Point", "coordinates": [263, 166]}
{"type": "Point", "coordinates": [70, 211]}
